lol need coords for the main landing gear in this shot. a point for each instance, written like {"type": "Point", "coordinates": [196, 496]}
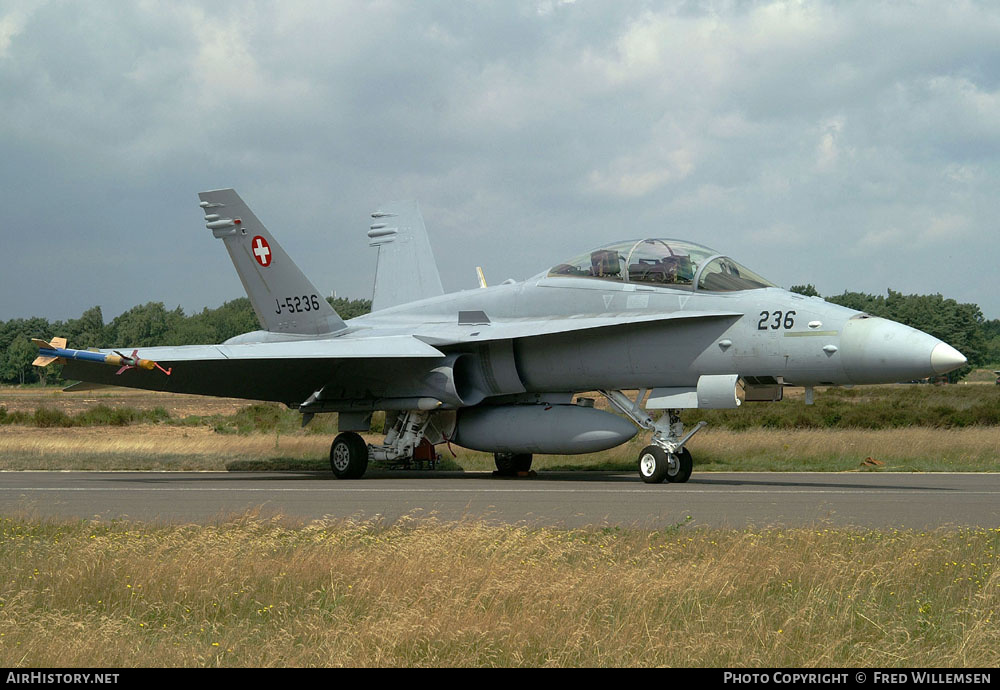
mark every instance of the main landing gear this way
{"type": "Point", "coordinates": [666, 457]}
{"type": "Point", "coordinates": [512, 464]}
{"type": "Point", "coordinates": [349, 456]}
{"type": "Point", "coordinates": [412, 429]}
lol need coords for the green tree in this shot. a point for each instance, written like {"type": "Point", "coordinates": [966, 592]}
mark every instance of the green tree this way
{"type": "Point", "coordinates": [17, 360]}
{"type": "Point", "coordinates": [232, 318]}
{"type": "Point", "coordinates": [807, 290]}
{"type": "Point", "coordinates": [144, 326]}
{"type": "Point", "coordinates": [87, 331]}
{"type": "Point", "coordinates": [991, 343]}
{"type": "Point", "coordinates": [350, 308]}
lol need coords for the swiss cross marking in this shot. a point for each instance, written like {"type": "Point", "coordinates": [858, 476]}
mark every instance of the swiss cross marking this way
{"type": "Point", "coordinates": [261, 251]}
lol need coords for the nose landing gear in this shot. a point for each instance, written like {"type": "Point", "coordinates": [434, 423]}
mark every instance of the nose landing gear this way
{"type": "Point", "coordinates": [665, 458]}
{"type": "Point", "coordinates": [656, 464]}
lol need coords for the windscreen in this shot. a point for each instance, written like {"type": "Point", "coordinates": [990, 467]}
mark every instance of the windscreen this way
{"type": "Point", "coordinates": [725, 275]}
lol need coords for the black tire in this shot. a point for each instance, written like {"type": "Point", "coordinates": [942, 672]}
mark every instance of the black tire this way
{"type": "Point", "coordinates": [509, 464]}
{"type": "Point", "coordinates": [680, 471]}
{"type": "Point", "coordinates": [653, 464]}
{"type": "Point", "coordinates": [348, 456]}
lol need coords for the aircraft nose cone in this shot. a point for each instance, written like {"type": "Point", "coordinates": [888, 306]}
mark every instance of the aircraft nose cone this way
{"type": "Point", "coordinates": [877, 350]}
{"type": "Point", "coordinates": [945, 358]}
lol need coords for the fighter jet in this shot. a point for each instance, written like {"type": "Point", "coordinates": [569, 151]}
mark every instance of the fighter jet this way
{"type": "Point", "coordinates": [500, 368]}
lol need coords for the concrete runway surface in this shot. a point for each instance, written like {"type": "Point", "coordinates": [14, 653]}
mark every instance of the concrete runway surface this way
{"type": "Point", "coordinates": [568, 499]}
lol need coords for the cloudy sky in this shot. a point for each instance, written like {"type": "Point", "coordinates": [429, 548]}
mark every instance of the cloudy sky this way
{"type": "Point", "coordinates": [853, 145]}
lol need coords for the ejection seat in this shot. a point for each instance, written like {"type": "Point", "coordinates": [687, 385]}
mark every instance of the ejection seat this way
{"type": "Point", "coordinates": [605, 263]}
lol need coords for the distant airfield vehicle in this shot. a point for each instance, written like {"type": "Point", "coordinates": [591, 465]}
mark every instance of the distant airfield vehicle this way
{"type": "Point", "coordinates": [496, 368]}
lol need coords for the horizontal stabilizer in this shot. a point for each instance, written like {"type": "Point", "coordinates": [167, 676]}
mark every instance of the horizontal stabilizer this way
{"type": "Point", "coordinates": [84, 386]}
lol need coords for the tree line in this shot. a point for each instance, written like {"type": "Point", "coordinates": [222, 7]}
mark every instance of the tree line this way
{"type": "Point", "coordinates": [960, 325]}
{"type": "Point", "coordinates": [141, 326]}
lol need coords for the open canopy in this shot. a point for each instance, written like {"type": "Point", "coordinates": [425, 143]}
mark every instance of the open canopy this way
{"type": "Point", "coordinates": [662, 262]}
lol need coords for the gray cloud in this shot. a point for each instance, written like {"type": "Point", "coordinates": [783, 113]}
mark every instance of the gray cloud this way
{"type": "Point", "coordinates": [851, 145]}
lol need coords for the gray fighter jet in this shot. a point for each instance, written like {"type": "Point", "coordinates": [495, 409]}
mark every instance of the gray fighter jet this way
{"type": "Point", "coordinates": [496, 369]}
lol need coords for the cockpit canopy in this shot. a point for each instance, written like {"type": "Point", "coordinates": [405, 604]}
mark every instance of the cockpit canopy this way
{"type": "Point", "coordinates": [662, 262]}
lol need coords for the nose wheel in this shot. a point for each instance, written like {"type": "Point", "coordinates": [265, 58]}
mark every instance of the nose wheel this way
{"type": "Point", "coordinates": [656, 464]}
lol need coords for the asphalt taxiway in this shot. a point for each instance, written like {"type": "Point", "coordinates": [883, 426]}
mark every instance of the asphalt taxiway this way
{"type": "Point", "coordinates": [730, 499]}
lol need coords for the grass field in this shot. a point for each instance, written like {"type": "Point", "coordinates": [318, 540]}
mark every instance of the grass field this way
{"type": "Point", "coordinates": [254, 592]}
{"type": "Point", "coordinates": [884, 428]}
{"type": "Point", "coordinates": [171, 448]}
{"type": "Point", "coordinates": [270, 592]}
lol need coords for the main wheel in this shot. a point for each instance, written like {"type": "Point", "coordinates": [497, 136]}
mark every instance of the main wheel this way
{"type": "Point", "coordinates": [679, 467]}
{"type": "Point", "coordinates": [509, 464]}
{"type": "Point", "coordinates": [348, 456]}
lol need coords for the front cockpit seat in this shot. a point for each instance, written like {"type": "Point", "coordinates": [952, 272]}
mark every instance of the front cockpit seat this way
{"type": "Point", "coordinates": [605, 263]}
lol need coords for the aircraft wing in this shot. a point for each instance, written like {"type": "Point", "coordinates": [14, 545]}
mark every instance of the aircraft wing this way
{"type": "Point", "coordinates": [391, 346]}
{"type": "Point", "coordinates": [348, 367]}
{"type": "Point", "coordinates": [287, 372]}
{"type": "Point", "coordinates": [477, 327]}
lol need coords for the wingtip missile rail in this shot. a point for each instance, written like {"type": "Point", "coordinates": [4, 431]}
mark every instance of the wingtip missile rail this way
{"type": "Point", "coordinates": [56, 350]}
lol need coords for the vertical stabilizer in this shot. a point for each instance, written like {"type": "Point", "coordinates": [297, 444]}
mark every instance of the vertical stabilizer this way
{"type": "Point", "coordinates": [406, 270]}
{"type": "Point", "coordinates": [284, 299]}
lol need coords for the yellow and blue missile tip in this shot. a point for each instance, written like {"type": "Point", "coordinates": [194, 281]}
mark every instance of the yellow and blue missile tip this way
{"type": "Point", "coordinates": [56, 349]}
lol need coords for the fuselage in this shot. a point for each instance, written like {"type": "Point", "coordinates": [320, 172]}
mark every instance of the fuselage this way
{"type": "Point", "coordinates": [773, 334]}
{"type": "Point", "coordinates": [658, 314]}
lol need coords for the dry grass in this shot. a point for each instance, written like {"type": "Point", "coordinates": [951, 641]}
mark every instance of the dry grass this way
{"type": "Point", "coordinates": [913, 449]}
{"type": "Point", "coordinates": [28, 398]}
{"type": "Point", "coordinates": [193, 445]}
{"type": "Point", "coordinates": [158, 447]}
{"type": "Point", "coordinates": [974, 449]}
{"type": "Point", "coordinates": [153, 447]}
{"type": "Point", "coordinates": [256, 593]}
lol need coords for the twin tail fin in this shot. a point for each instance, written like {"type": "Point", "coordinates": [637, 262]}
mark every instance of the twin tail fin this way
{"type": "Point", "coordinates": [283, 298]}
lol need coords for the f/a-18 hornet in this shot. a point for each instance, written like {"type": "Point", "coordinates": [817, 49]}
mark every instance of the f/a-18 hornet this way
{"type": "Point", "coordinates": [496, 369]}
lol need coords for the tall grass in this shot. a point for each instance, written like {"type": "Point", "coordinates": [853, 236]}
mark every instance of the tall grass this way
{"type": "Point", "coordinates": [100, 415]}
{"type": "Point", "coordinates": [160, 447]}
{"type": "Point", "coordinates": [868, 407]}
{"type": "Point", "coordinates": [925, 428]}
{"type": "Point", "coordinates": [254, 592]}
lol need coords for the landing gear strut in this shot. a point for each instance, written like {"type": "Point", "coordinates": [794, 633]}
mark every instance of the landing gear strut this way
{"type": "Point", "coordinates": [666, 457]}
{"type": "Point", "coordinates": [410, 440]}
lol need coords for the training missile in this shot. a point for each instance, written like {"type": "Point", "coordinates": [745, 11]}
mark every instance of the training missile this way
{"type": "Point", "coordinates": [55, 350]}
